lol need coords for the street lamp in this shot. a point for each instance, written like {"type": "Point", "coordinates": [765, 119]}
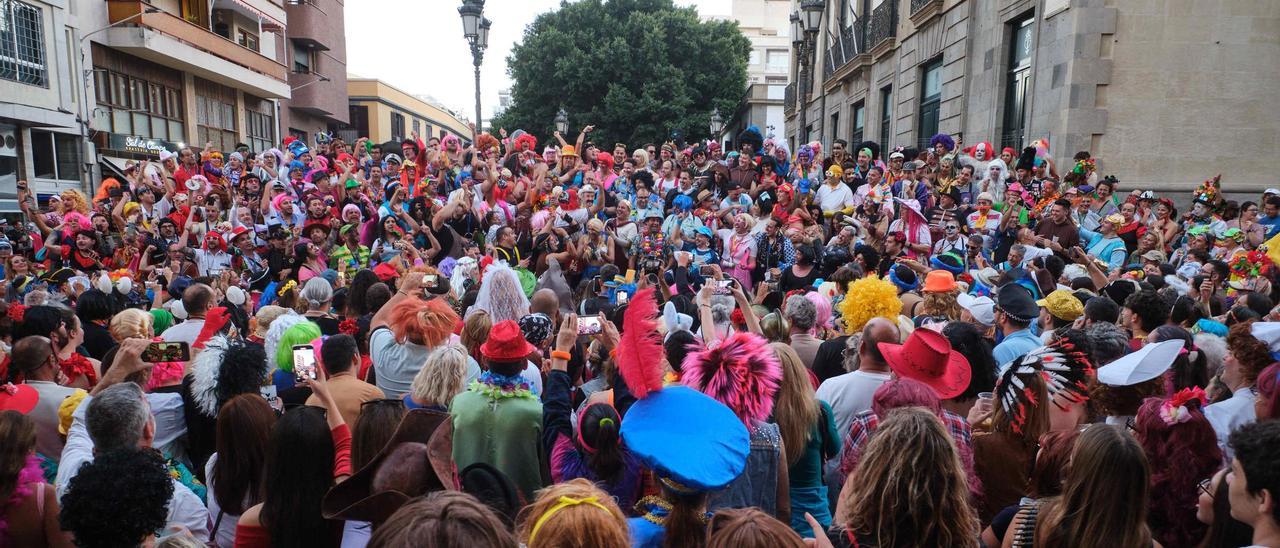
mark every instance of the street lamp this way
{"type": "Point", "coordinates": [805, 25]}
{"type": "Point", "coordinates": [812, 14]}
{"type": "Point", "coordinates": [562, 121]}
{"type": "Point", "coordinates": [797, 32]}
{"type": "Point", "coordinates": [717, 124]}
{"type": "Point", "coordinates": [475, 28]}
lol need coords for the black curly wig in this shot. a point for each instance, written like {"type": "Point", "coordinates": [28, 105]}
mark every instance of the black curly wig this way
{"type": "Point", "coordinates": [135, 479]}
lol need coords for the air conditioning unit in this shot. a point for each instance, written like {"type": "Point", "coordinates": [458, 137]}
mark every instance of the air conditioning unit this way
{"type": "Point", "coordinates": [8, 141]}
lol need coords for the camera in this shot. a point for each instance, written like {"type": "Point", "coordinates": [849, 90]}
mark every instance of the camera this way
{"type": "Point", "coordinates": [651, 264]}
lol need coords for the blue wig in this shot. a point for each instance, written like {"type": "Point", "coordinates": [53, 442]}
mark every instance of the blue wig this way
{"type": "Point", "coordinates": [683, 202]}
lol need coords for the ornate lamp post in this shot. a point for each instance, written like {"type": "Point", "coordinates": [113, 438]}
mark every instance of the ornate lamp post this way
{"type": "Point", "coordinates": [804, 33]}
{"type": "Point", "coordinates": [717, 124]}
{"type": "Point", "coordinates": [562, 121]}
{"type": "Point", "coordinates": [475, 27]}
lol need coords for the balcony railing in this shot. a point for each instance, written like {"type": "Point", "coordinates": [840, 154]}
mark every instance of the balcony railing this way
{"type": "Point", "coordinates": [789, 97]}
{"type": "Point", "coordinates": [194, 35]}
{"type": "Point", "coordinates": [883, 25]}
{"type": "Point", "coordinates": [847, 45]}
{"type": "Point", "coordinates": [916, 5]}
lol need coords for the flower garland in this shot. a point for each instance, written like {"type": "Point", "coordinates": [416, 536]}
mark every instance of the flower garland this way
{"type": "Point", "coordinates": [1174, 410]}
{"type": "Point", "coordinates": [653, 244]}
{"type": "Point", "coordinates": [497, 387]}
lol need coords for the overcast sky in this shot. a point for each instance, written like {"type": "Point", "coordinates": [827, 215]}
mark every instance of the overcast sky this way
{"type": "Point", "coordinates": [380, 32]}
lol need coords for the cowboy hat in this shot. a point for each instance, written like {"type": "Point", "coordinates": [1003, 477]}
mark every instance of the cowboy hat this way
{"type": "Point", "coordinates": [354, 499]}
{"type": "Point", "coordinates": [927, 357]}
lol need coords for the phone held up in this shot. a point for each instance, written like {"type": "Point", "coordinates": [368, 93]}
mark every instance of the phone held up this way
{"type": "Point", "coordinates": [304, 362]}
{"type": "Point", "coordinates": [588, 325]}
{"type": "Point", "coordinates": [160, 352]}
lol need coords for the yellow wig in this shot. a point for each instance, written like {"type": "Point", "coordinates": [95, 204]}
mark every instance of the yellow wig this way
{"type": "Point", "coordinates": [867, 298]}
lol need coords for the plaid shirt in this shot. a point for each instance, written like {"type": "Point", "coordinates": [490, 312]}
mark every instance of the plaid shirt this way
{"type": "Point", "coordinates": [864, 425]}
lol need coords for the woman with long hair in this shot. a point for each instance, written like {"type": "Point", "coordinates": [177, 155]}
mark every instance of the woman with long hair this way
{"type": "Point", "coordinates": [1103, 502]}
{"type": "Point", "coordinates": [307, 262]}
{"type": "Point", "coordinates": [573, 514]}
{"type": "Point", "coordinates": [1213, 508]}
{"type": "Point", "coordinates": [940, 291]}
{"type": "Point", "coordinates": [886, 505]}
{"type": "Point", "coordinates": [28, 507]}
{"type": "Point", "coordinates": [1190, 368]}
{"type": "Point", "coordinates": [308, 446]}
{"type": "Point", "coordinates": [132, 323]}
{"type": "Point", "coordinates": [808, 430]}
{"type": "Point", "coordinates": [1181, 446]}
{"type": "Point", "coordinates": [14, 266]}
{"type": "Point", "coordinates": [440, 379]}
{"type": "Point", "coordinates": [475, 331]}
{"type": "Point", "coordinates": [1165, 223]}
{"type": "Point", "coordinates": [1046, 481]}
{"type": "Point", "coordinates": [234, 472]}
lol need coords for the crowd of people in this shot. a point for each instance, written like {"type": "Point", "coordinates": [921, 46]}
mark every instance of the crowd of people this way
{"type": "Point", "coordinates": [441, 343]}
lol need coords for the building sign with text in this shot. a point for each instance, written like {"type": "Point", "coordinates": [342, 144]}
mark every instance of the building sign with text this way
{"type": "Point", "coordinates": [139, 145]}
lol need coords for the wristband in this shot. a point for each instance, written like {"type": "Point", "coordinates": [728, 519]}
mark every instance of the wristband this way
{"type": "Point", "coordinates": [560, 355]}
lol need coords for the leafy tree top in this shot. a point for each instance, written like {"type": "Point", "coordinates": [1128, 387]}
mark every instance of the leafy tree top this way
{"type": "Point", "coordinates": [638, 70]}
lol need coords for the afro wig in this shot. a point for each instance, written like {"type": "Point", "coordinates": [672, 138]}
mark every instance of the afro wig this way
{"type": "Point", "coordinates": [133, 478]}
{"type": "Point", "coordinates": [867, 298]}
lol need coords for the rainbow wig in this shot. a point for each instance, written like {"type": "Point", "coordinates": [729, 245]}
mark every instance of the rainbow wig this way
{"type": "Point", "coordinates": [869, 297]}
{"type": "Point", "coordinates": [742, 373]}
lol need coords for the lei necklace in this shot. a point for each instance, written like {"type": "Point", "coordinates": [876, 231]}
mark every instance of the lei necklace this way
{"type": "Point", "coordinates": [653, 244]}
{"type": "Point", "coordinates": [497, 387]}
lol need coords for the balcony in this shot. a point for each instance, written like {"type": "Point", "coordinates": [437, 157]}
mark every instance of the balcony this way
{"type": "Point", "coordinates": [789, 98]}
{"type": "Point", "coordinates": [882, 28]}
{"type": "Point", "coordinates": [847, 53]}
{"type": "Point", "coordinates": [924, 10]}
{"type": "Point", "coordinates": [170, 40]}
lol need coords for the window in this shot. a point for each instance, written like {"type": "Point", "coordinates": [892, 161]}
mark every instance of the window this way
{"type": "Point", "coordinates": [417, 127]}
{"type": "Point", "coordinates": [22, 43]}
{"type": "Point", "coordinates": [886, 116]}
{"type": "Point", "coordinates": [261, 130]}
{"type": "Point", "coordinates": [753, 58]}
{"type": "Point", "coordinates": [859, 122]}
{"type": "Point", "coordinates": [129, 105]}
{"type": "Point", "coordinates": [55, 155]}
{"type": "Point", "coordinates": [397, 126]}
{"type": "Point", "coordinates": [247, 39]}
{"type": "Point", "coordinates": [1018, 84]}
{"type": "Point", "coordinates": [215, 115]}
{"type": "Point", "coordinates": [301, 58]}
{"type": "Point", "coordinates": [930, 102]}
{"type": "Point", "coordinates": [299, 134]}
{"type": "Point", "coordinates": [776, 60]}
{"type": "Point", "coordinates": [835, 127]}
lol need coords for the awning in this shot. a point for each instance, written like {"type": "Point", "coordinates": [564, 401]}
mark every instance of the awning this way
{"type": "Point", "coordinates": [113, 165]}
{"type": "Point", "coordinates": [267, 20]}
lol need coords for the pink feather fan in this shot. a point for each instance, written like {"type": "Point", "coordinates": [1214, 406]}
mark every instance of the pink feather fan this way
{"type": "Point", "coordinates": [742, 373]}
{"type": "Point", "coordinates": [640, 348]}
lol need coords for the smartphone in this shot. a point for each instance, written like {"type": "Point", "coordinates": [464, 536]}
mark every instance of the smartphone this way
{"type": "Point", "coordinates": [160, 352]}
{"type": "Point", "coordinates": [621, 298]}
{"type": "Point", "coordinates": [588, 325]}
{"type": "Point", "coordinates": [304, 362]}
{"type": "Point", "coordinates": [722, 287]}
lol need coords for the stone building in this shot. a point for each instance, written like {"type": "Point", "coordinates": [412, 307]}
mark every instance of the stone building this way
{"type": "Point", "coordinates": [1165, 93]}
{"type": "Point", "coordinates": [764, 23]}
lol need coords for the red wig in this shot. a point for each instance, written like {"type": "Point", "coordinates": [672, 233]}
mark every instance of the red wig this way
{"type": "Point", "coordinates": [1181, 454]}
{"type": "Point", "coordinates": [427, 323]}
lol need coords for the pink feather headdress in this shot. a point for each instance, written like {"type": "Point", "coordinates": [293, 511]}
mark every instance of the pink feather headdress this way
{"type": "Point", "coordinates": [741, 373]}
{"type": "Point", "coordinates": [641, 345]}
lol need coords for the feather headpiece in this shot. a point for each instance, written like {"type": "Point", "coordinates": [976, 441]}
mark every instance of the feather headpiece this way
{"type": "Point", "coordinates": [1064, 368]}
{"type": "Point", "coordinates": [640, 345]}
{"type": "Point", "coordinates": [741, 373]}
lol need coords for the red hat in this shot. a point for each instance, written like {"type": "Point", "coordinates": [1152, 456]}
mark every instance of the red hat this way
{"type": "Point", "coordinates": [386, 272]}
{"type": "Point", "coordinates": [18, 397]}
{"type": "Point", "coordinates": [928, 357]}
{"type": "Point", "coordinates": [238, 232]}
{"type": "Point", "coordinates": [506, 343]}
{"type": "Point", "coordinates": [1009, 150]}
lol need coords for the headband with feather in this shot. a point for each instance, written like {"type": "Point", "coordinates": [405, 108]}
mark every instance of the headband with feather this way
{"type": "Point", "coordinates": [741, 373]}
{"type": "Point", "coordinates": [1064, 368]}
{"type": "Point", "coordinates": [225, 368]}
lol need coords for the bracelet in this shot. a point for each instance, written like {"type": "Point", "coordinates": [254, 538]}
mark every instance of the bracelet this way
{"type": "Point", "coordinates": [560, 355]}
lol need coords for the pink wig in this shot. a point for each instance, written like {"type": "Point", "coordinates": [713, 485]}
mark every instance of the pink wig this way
{"type": "Point", "coordinates": [743, 373]}
{"type": "Point", "coordinates": [449, 140]}
{"type": "Point", "coordinates": [823, 306]}
{"type": "Point", "coordinates": [904, 392]}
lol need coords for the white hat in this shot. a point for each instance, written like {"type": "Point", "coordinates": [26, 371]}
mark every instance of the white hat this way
{"type": "Point", "coordinates": [1271, 191]}
{"type": "Point", "coordinates": [235, 295]}
{"type": "Point", "coordinates": [896, 156]}
{"type": "Point", "coordinates": [1145, 364]}
{"type": "Point", "coordinates": [1073, 271]}
{"type": "Point", "coordinates": [176, 308]}
{"type": "Point", "coordinates": [1268, 333]}
{"type": "Point", "coordinates": [982, 308]}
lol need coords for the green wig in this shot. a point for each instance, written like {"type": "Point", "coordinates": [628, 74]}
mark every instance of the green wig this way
{"type": "Point", "coordinates": [300, 333]}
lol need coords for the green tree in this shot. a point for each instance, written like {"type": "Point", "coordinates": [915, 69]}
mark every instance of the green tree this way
{"type": "Point", "coordinates": [638, 70]}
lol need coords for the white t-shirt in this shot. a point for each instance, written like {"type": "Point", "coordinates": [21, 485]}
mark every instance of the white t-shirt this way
{"type": "Point", "coordinates": [212, 264]}
{"type": "Point", "coordinates": [850, 394]}
{"type": "Point", "coordinates": [835, 198]}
